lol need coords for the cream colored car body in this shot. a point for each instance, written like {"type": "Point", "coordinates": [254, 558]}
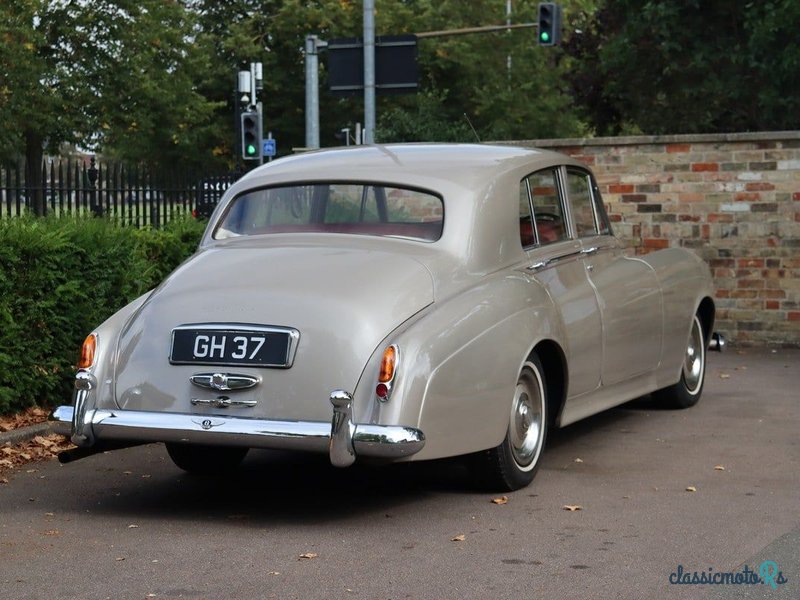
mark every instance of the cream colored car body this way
{"type": "Point", "coordinates": [465, 312]}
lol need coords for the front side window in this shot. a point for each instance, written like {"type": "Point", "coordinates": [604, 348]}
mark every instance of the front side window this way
{"type": "Point", "coordinates": [353, 208]}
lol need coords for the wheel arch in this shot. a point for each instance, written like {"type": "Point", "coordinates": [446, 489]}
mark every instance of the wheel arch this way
{"type": "Point", "coordinates": [554, 363]}
{"type": "Point", "coordinates": [706, 311]}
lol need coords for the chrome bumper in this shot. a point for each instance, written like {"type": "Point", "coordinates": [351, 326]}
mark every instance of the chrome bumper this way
{"type": "Point", "coordinates": [342, 439]}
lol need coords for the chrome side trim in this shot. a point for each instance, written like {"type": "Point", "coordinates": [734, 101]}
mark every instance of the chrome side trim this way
{"type": "Point", "coordinates": [224, 382]}
{"type": "Point", "coordinates": [376, 441]}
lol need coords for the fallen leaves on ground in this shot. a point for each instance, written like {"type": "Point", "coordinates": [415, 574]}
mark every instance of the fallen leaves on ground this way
{"type": "Point", "coordinates": [691, 488]}
{"type": "Point", "coordinates": [42, 447]}
{"type": "Point", "coordinates": [307, 556]}
{"type": "Point", "coordinates": [13, 456]}
{"type": "Point", "coordinates": [719, 468]}
{"type": "Point", "coordinates": [572, 507]}
{"type": "Point", "coordinates": [459, 538]}
{"type": "Point", "coordinates": [30, 416]}
{"type": "Point", "coordinates": [500, 500]}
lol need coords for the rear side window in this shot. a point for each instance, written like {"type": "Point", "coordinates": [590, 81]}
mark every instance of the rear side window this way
{"type": "Point", "coordinates": [547, 211]}
{"type": "Point", "coordinates": [348, 208]}
{"type": "Point", "coordinates": [586, 205]}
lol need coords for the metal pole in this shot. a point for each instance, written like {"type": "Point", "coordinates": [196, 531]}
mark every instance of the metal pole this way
{"type": "Point", "coordinates": [312, 92]}
{"type": "Point", "coordinates": [369, 71]}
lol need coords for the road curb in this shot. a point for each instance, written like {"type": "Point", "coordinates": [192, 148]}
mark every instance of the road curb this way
{"type": "Point", "coordinates": [24, 434]}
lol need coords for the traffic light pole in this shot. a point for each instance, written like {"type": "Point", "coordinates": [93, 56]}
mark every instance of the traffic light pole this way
{"type": "Point", "coordinates": [369, 71]}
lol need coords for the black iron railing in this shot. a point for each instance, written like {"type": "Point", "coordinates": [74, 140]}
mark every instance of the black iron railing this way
{"type": "Point", "coordinates": [128, 195]}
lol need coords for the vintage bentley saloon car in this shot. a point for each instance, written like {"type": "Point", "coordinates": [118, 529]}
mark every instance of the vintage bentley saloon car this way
{"type": "Point", "coordinates": [402, 303]}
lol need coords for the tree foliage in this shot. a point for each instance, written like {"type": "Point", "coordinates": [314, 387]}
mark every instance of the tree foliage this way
{"type": "Point", "coordinates": [669, 66]}
{"type": "Point", "coordinates": [154, 81]}
{"type": "Point", "coordinates": [111, 74]}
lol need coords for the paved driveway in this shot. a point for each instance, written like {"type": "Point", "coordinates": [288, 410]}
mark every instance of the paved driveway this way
{"type": "Point", "coordinates": [130, 525]}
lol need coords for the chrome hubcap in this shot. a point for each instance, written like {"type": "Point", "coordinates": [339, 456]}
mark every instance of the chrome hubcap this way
{"type": "Point", "coordinates": [527, 413]}
{"type": "Point", "coordinates": [694, 362]}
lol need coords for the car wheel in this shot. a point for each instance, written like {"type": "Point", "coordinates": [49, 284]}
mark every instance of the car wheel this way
{"type": "Point", "coordinates": [687, 391]}
{"type": "Point", "coordinates": [205, 460]}
{"type": "Point", "coordinates": [513, 464]}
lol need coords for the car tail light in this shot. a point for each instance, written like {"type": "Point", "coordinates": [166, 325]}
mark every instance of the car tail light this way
{"type": "Point", "coordinates": [389, 363]}
{"type": "Point", "coordinates": [88, 351]}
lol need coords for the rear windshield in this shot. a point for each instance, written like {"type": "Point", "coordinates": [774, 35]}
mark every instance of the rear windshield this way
{"type": "Point", "coordinates": [354, 208]}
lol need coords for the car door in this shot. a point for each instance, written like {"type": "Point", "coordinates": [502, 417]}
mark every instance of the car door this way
{"type": "Point", "coordinates": [555, 261]}
{"type": "Point", "coordinates": [628, 291]}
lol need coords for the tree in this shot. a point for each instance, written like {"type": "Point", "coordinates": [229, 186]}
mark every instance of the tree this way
{"type": "Point", "coordinates": [100, 73]}
{"type": "Point", "coordinates": [664, 66]}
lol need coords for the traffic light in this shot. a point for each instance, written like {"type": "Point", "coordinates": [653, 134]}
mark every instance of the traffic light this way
{"type": "Point", "coordinates": [549, 24]}
{"type": "Point", "coordinates": [251, 135]}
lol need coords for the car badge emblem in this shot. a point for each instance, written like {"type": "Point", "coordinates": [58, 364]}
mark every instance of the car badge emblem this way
{"type": "Point", "coordinates": [207, 423]}
{"type": "Point", "coordinates": [224, 382]}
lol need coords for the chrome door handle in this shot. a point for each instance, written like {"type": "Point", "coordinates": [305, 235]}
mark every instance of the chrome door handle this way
{"type": "Point", "coordinates": [538, 265]}
{"type": "Point", "coordinates": [591, 250]}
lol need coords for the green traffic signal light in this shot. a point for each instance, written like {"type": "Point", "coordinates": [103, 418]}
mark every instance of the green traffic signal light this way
{"type": "Point", "coordinates": [545, 37]}
{"type": "Point", "coordinates": [251, 135]}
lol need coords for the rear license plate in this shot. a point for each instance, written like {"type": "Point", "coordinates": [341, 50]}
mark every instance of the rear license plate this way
{"type": "Point", "coordinates": [233, 345]}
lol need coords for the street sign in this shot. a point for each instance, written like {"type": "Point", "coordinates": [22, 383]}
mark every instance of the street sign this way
{"type": "Point", "coordinates": [396, 70]}
{"type": "Point", "coordinates": [270, 147]}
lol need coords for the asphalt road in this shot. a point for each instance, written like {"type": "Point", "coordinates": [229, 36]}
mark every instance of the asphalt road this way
{"type": "Point", "coordinates": [129, 524]}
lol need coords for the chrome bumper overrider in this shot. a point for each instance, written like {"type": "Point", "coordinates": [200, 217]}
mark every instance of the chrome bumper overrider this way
{"type": "Point", "coordinates": [341, 438]}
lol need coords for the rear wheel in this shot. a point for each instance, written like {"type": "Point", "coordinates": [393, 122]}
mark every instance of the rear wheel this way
{"type": "Point", "coordinates": [513, 464]}
{"type": "Point", "coordinates": [205, 460]}
{"type": "Point", "coordinates": [687, 391]}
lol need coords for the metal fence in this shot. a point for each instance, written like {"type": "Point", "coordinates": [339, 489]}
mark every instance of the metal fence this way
{"type": "Point", "coordinates": [128, 195]}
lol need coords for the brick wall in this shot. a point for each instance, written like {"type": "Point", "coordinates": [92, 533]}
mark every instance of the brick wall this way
{"type": "Point", "coordinates": [734, 199]}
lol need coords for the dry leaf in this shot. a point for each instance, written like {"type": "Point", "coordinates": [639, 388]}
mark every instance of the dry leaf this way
{"type": "Point", "coordinates": [579, 460]}
{"type": "Point", "coordinates": [500, 500]}
{"type": "Point", "coordinates": [52, 532]}
{"type": "Point", "coordinates": [274, 573]}
{"type": "Point", "coordinates": [719, 468]}
{"type": "Point", "coordinates": [572, 507]}
{"type": "Point", "coordinates": [459, 538]}
{"type": "Point", "coordinates": [307, 556]}
{"type": "Point", "coordinates": [691, 488]}
{"type": "Point", "coordinates": [724, 376]}
{"type": "Point", "coordinates": [133, 527]}
{"type": "Point", "coordinates": [119, 558]}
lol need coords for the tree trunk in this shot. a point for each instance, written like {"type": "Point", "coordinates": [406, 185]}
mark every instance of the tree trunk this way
{"type": "Point", "coordinates": [34, 186]}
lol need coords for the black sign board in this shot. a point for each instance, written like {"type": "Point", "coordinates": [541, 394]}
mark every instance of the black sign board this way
{"type": "Point", "coordinates": [396, 70]}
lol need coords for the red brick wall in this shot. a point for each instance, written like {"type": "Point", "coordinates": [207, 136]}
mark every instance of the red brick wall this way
{"type": "Point", "coordinates": [734, 199]}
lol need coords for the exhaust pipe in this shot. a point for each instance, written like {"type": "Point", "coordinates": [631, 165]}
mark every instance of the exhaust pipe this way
{"type": "Point", "coordinates": [73, 454]}
{"type": "Point", "coordinates": [717, 342]}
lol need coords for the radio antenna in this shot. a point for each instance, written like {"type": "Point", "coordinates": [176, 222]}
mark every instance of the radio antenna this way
{"type": "Point", "coordinates": [477, 137]}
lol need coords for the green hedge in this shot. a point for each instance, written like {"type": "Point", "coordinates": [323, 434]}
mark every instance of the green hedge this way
{"type": "Point", "coordinates": [60, 278]}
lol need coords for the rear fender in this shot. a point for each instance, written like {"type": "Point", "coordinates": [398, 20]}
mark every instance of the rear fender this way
{"type": "Point", "coordinates": [460, 362]}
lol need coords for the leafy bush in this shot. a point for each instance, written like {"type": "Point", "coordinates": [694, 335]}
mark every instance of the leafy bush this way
{"type": "Point", "coordinates": [59, 279]}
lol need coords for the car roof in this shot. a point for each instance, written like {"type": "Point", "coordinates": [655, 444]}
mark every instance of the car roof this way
{"type": "Point", "coordinates": [436, 166]}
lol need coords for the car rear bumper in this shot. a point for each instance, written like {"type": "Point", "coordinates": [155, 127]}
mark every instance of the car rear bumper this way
{"type": "Point", "coordinates": [341, 438]}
